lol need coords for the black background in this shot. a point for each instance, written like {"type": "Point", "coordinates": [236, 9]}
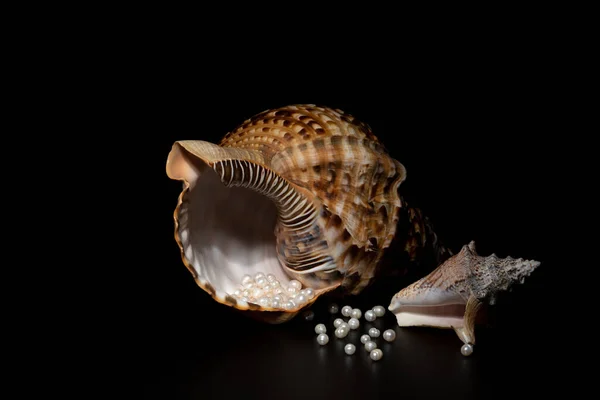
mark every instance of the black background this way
{"type": "Point", "coordinates": [479, 148]}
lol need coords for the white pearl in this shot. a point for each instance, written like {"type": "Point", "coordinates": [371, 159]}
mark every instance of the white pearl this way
{"type": "Point", "coordinates": [250, 285]}
{"type": "Point", "coordinates": [259, 275]}
{"type": "Point", "coordinates": [356, 313]}
{"type": "Point", "coordinates": [246, 293]}
{"type": "Point", "coordinates": [466, 350]}
{"type": "Point", "coordinates": [301, 299]}
{"type": "Point", "coordinates": [365, 338]}
{"type": "Point", "coordinates": [257, 292]}
{"type": "Point", "coordinates": [333, 308]}
{"type": "Point", "coordinates": [237, 293]}
{"type": "Point", "coordinates": [262, 282]}
{"type": "Point", "coordinates": [277, 298]}
{"type": "Point", "coordinates": [264, 301]}
{"type": "Point", "coordinates": [275, 304]}
{"type": "Point", "coordinates": [323, 339]}
{"type": "Point", "coordinates": [320, 328]}
{"type": "Point", "coordinates": [374, 332]}
{"type": "Point", "coordinates": [274, 285]}
{"type": "Point", "coordinates": [290, 305]}
{"type": "Point", "coordinates": [279, 290]}
{"type": "Point", "coordinates": [376, 354]}
{"type": "Point", "coordinates": [353, 323]}
{"type": "Point", "coordinates": [389, 335]}
{"type": "Point", "coordinates": [346, 311]}
{"type": "Point", "coordinates": [341, 332]}
{"type": "Point", "coordinates": [271, 278]}
{"type": "Point", "coordinates": [246, 280]}
{"type": "Point", "coordinates": [370, 345]}
{"type": "Point", "coordinates": [349, 349]}
{"type": "Point", "coordinates": [309, 293]}
{"type": "Point", "coordinates": [344, 325]}
{"type": "Point", "coordinates": [291, 290]}
{"type": "Point", "coordinates": [244, 298]}
{"type": "Point", "coordinates": [379, 311]}
{"type": "Point", "coordinates": [338, 322]}
{"type": "Point", "coordinates": [370, 316]}
{"type": "Point", "coordinates": [295, 284]}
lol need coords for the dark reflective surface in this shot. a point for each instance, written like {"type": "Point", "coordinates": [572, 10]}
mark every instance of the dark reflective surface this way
{"type": "Point", "coordinates": [470, 168]}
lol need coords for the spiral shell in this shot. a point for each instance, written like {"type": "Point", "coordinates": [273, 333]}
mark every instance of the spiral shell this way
{"type": "Point", "coordinates": [321, 181]}
{"type": "Point", "coordinates": [452, 295]}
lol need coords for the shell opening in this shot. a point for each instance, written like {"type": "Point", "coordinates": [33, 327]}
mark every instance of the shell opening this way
{"type": "Point", "coordinates": [226, 233]}
{"type": "Point", "coordinates": [441, 316]}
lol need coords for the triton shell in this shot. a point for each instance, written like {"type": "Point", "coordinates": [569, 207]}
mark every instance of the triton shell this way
{"type": "Point", "coordinates": [451, 295]}
{"type": "Point", "coordinates": [301, 192]}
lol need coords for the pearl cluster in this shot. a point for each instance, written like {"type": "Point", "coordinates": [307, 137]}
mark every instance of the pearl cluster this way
{"type": "Point", "coordinates": [342, 328]}
{"type": "Point", "coordinates": [268, 291]}
{"type": "Point", "coordinates": [368, 341]}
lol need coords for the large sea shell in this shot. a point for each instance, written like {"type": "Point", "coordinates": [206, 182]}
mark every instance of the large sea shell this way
{"type": "Point", "coordinates": [301, 192]}
{"type": "Point", "coordinates": [452, 295]}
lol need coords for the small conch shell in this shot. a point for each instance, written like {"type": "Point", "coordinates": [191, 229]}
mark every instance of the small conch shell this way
{"type": "Point", "coordinates": [452, 294]}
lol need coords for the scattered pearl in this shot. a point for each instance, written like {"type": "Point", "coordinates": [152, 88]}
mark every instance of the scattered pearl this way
{"type": "Point", "coordinates": [376, 354]}
{"type": "Point", "coordinates": [246, 280]}
{"type": "Point", "coordinates": [309, 293]}
{"type": "Point", "coordinates": [349, 349]}
{"type": "Point", "coordinates": [279, 290]}
{"type": "Point", "coordinates": [237, 293]}
{"type": "Point", "coordinates": [272, 278]}
{"type": "Point", "coordinates": [246, 293]}
{"type": "Point", "coordinates": [374, 332]}
{"type": "Point", "coordinates": [309, 315]}
{"type": "Point", "coordinates": [379, 311]}
{"type": "Point", "coordinates": [259, 275]}
{"type": "Point", "coordinates": [295, 284]}
{"type": "Point", "coordinates": [370, 316]}
{"type": "Point", "coordinates": [389, 335]}
{"type": "Point", "coordinates": [466, 350]}
{"type": "Point", "coordinates": [344, 325]}
{"type": "Point", "coordinates": [346, 311]}
{"type": "Point", "coordinates": [333, 308]}
{"type": "Point", "coordinates": [353, 323]}
{"type": "Point", "coordinates": [365, 338]}
{"type": "Point", "coordinates": [370, 345]}
{"type": "Point", "coordinates": [320, 328]}
{"type": "Point", "coordinates": [341, 332]}
{"type": "Point", "coordinates": [338, 322]}
{"type": "Point", "coordinates": [322, 339]}
{"type": "Point", "coordinates": [356, 313]}
{"type": "Point", "coordinates": [275, 304]}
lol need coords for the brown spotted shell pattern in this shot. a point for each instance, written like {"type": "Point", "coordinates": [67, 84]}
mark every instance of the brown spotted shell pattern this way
{"type": "Point", "coordinates": [334, 188]}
